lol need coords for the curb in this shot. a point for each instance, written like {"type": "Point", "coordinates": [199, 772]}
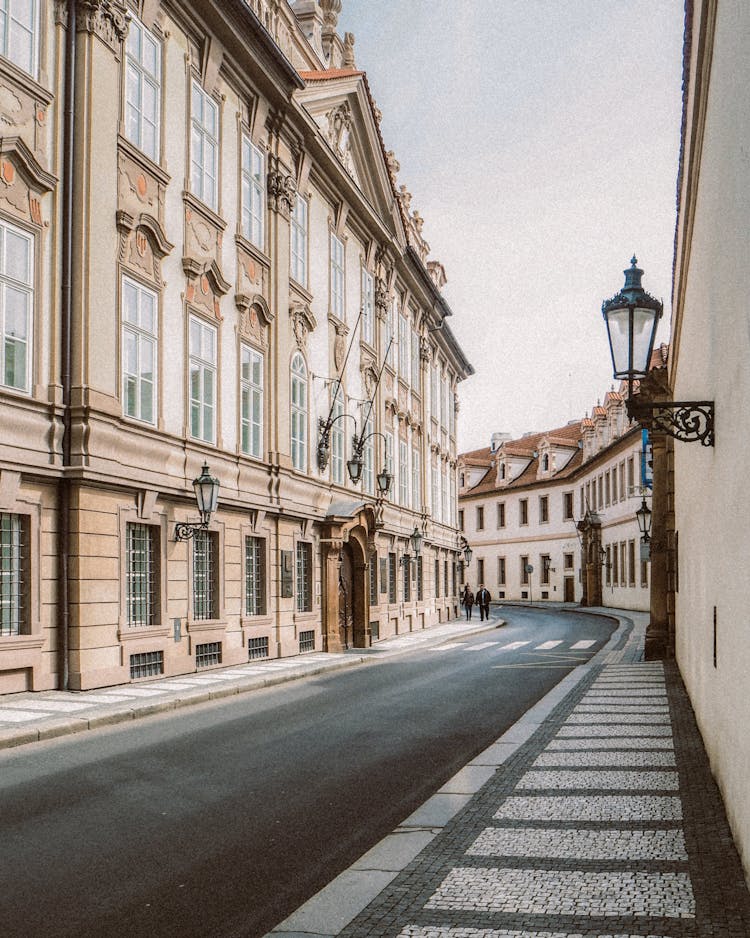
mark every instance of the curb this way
{"type": "Point", "coordinates": [329, 911]}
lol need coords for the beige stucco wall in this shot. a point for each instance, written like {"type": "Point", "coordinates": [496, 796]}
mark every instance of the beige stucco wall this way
{"type": "Point", "coordinates": [712, 352]}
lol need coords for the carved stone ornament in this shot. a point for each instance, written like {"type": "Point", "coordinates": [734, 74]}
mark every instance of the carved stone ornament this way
{"type": "Point", "coordinates": [205, 285]}
{"type": "Point", "coordinates": [282, 191]}
{"type": "Point", "coordinates": [143, 244]}
{"type": "Point", "coordinates": [303, 323]}
{"type": "Point", "coordinates": [107, 19]}
{"type": "Point", "coordinates": [339, 344]}
{"type": "Point", "coordinates": [138, 190]}
{"type": "Point", "coordinates": [22, 181]}
{"type": "Point", "coordinates": [381, 297]}
{"type": "Point", "coordinates": [255, 318]}
{"type": "Point", "coordinates": [339, 125]}
{"type": "Point", "coordinates": [425, 349]}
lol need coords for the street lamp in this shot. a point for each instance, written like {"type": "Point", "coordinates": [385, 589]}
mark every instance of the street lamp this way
{"type": "Point", "coordinates": [206, 490]}
{"type": "Point", "coordinates": [643, 515]}
{"type": "Point", "coordinates": [631, 317]}
{"type": "Point", "coordinates": [415, 539]}
{"type": "Point", "coordinates": [468, 553]}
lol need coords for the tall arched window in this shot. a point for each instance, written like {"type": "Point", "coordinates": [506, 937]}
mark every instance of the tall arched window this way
{"type": "Point", "coordinates": [337, 435]}
{"type": "Point", "coordinates": [299, 413]}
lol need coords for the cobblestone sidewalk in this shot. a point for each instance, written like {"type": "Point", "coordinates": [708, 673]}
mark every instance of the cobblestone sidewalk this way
{"type": "Point", "coordinates": [605, 823]}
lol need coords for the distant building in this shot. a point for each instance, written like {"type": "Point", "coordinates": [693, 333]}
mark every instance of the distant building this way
{"type": "Point", "coordinates": [211, 257]}
{"type": "Point", "coordinates": [551, 516]}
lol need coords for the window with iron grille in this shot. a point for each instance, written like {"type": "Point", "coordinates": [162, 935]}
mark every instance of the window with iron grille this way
{"type": "Point", "coordinates": [544, 509]}
{"type": "Point", "coordinates": [142, 575]}
{"type": "Point", "coordinates": [255, 576]}
{"type": "Point", "coordinates": [14, 574]}
{"type": "Point", "coordinates": [306, 641]}
{"type": "Point", "coordinates": [524, 571]}
{"type": "Point", "coordinates": [373, 580]}
{"type": "Point", "coordinates": [391, 578]}
{"type": "Point", "coordinates": [257, 648]}
{"type": "Point", "coordinates": [501, 571]}
{"type": "Point", "coordinates": [437, 577]}
{"type": "Point", "coordinates": [146, 664]}
{"type": "Point", "coordinates": [568, 506]}
{"type": "Point", "coordinates": [480, 570]}
{"type": "Point", "coordinates": [523, 511]}
{"type": "Point", "coordinates": [407, 578]}
{"type": "Point", "coordinates": [304, 577]}
{"type": "Point", "coordinates": [445, 578]}
{"type": "Point", "coordinates": [207, 654]}
{"type": "Point", "coordinates": [420, 579]}
{"type": "Point", "coordinates": [205, 583]}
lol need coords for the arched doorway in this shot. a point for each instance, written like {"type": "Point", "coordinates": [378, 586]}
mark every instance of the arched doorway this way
{"type": "Point", "coordinates": [346, 596]}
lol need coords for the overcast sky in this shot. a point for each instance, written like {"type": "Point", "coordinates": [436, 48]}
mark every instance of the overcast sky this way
{"type": "Point", "coordinates": [539, 139]}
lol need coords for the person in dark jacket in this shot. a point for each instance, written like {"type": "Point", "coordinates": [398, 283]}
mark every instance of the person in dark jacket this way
{"type": "Point", "coordinates": [467, 600]}
{"type": "Point", "coordinates": [483, 598]}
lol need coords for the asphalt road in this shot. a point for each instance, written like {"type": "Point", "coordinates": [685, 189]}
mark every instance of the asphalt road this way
{"type": "Point", "coordinates": [220, 821]}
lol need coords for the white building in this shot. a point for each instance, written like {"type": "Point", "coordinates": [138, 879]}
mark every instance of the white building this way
{"type": "Point", "coordinates": [551, 516]}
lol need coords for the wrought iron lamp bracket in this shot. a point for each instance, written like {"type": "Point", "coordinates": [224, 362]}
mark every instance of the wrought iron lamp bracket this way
{"type": "Point", "coordinates": [184, 530]}
{"type": "Point", "coordinates": [688, 421]}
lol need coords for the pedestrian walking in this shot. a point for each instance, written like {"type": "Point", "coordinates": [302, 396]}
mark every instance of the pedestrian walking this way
{"type": "Point", "coordinates": [483, 598]}
{"type": "Point", "coordinates": [468, 600]}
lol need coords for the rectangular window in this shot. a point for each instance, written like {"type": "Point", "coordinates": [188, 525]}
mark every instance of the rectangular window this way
{"type": "Point", "coordinates": [615, 565]}
{"type": "Point", "coordinates": [523, 511]}
{"type": "Point", "coordinates": [435, 392]}
{"type": "Point", "coordinates": [255, 576]}
{"type": "Point", "coordinates": [142, 88]}
{"type": "Point", "coordinates": [631, 563]}
{"type": "Point", "coordinates": [337, 435]}
{"type": "Point", "coordinates": [208, 654]}
{"type": "Point", "coordinates": [253, 193]}
{"type": "Point", "coordinates": [480, 570]}
{"type": "Point", "coordinates": [416, 479]}
{"type": "Point", "coordinates": [452, 496]}
{"type": "Point", "coordinates": [406, 569]}
{"type": "Point", "coordinates": [14, 574]}
{"type": "Point", "coordinates": [337, 277]}
{"type": "Point", "coordinates": [368, 466]}
{"type": "Point", "coordinates": [251, 393]}
{"type": "Point", "coordinates": [608, 564]}
{"type": "Point", "coordinates": [623, 564]}
{"type": "Point", "coordinates": [614, 484]}
{"type": "Point", "coordinates": [437, 578]}
{"type": "Point", "coordinates": [623, 492]}
{"type": "Point", "coordinates": [420, 579]}
{"type": "Point", "coordinates": [146, 664]}
{"type": "Point", "coordinates": [644, 573]}
{"type": "Point", "coordinates": [403, 474]}
{"type": "Point", "coordinates": [306, 641]}
{"type": "Point", "coordinates": [304, 577]}
{"type": "Point", "coordinates": [607, 490]}
{"type": "Point", "coordinates": [298, 415]}
{"type": "Point", "coordinates": [257, 648]}
{"type": "Point", "coordinates": [392, 578]}
{"type": "Point", "coordinates": [436, 493]}
{"type": "Point", "coordinates": [139, 351]}
{"type": "Point", "coordinates": [415, 382]}
{"type": "Point", "coordinates": [524, 573]}
{"type": "Point", "coordinates": [389, 337]}
{"type": "Point", "coordinates": [16, 307]}
{"type": "Point", "coordinates": [544, 563]}
{"type": "Point", "coordinates": [568, 561]}
{"type": "Point", "coordinates": [204, 147]}
{"type": "Point", "coordinates": [460, 519]}
{"type": "Point", "coordinates": [445, 578]}
{"type": "Point", "coordinates": [202, 380]}
{"type": "Point", "coordinates": [19, 33]}
{"type": "Point", "coordinates": [501, 571]}
{"type": "Point", "coordinates": [543, 509]}
{"type": "Point", "coordinates": [631, 474]}
{"type": "Point", "coordinates": [141, 575]}
{"type": "Point", "coordinates": [480, 518]}
{"type": "Point", "coordinates": [299, 241]}
{"type": "Point", "coordinates": [373, 570]}
{"type": "Point", "coordinates": [568, 506]}
{"type": "Point", "coordinates": [389, 461]}
{"type": "Point", "coordinates": [404, 334]}
{"type": "Point", "coordinates": [205, 575]}
{"type": "Point", "coordinates": [501, 514]}
{"type": "Point", "coordinates": [368, 308]}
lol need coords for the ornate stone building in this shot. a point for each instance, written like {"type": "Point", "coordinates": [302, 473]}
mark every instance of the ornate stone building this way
{"type": "Point", "coordinates": [206, 260]}
{"type": "Point", "coordinates": [551, 516]}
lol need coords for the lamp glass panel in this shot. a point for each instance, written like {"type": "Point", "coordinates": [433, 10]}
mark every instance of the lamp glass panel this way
{"type": "Point", "coordinates": [619, 340]}
{"type": "Point", "coordinates": [644, 327]}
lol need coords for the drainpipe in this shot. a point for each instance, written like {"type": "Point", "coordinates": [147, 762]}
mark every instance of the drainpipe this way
{"type": "Point", "coordinates": [66, 304]}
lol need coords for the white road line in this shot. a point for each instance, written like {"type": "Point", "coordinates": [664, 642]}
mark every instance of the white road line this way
{"type": "Point", "coordinates": [448, 646]}
{"type": "Point", "coordinates": [513, 645]}
{"type": "Point", "coordinates": [546, 646]}
{"type": "Point", "coordinates": [586, 644]}
{"type": "Point", "coordinates": [481, 646]}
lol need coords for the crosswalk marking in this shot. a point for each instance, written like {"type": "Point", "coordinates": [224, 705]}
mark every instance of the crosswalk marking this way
{"type": "Point", "coordinates": [545, 646]}
{"type": "Point", "coordinates": [513, 645]}
{"type": "Point", "coordinates": [481, 646]}
{"type": "Point", "coordinates": [583, 644]}
{"type": "Point", "coordinates": [448, 646]}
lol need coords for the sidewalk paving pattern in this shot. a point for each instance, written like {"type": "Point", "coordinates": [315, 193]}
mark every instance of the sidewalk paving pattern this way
{"type": "Point", "coordinates": [596, 816]}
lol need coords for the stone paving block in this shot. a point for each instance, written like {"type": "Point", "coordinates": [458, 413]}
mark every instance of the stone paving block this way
{"type": "Point", "coordinates": [599, 780]}
{"type": "Point", "coordinates": [607, 844]}
{"type": "Point", "coordinates": [591, 808]}
{"type": "Point", "coordinates": [468, 781]}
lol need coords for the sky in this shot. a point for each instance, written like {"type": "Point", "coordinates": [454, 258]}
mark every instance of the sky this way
{"type": "Point", "coordinates": [540, 142]}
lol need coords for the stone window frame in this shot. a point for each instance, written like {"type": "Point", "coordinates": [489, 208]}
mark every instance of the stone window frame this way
{"type": "Point", "coordinates": [253, 350]}
{"type": "Point", "coordinates": [195, 85]}
{"type": "Point", "coordinates": [141, 285]}
{"type": "Point", "coordinates": [144, 511]}
{"type": "Point", "coordinates": [156, 156]}
{"type": "Point", "coordinates": [257, 191]}
{"type": "Point", "coordinates": [36, 34]}
{"type": "Point", "coordinates": [336, 277]}
{"type": "Point", "coordinates": [32, 638]}
{"type": "Point", "coordinates": [204, 323]}
{"type": "Point", "coordinates": [301, 463]}
{"type": "Point", "coordinates": [32, 288]}
{"type": "Point", "coordinates": [302, 264]}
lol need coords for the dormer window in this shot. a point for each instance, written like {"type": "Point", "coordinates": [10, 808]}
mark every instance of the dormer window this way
{"type": "Point", "coordinates": [502, 470]}
{"type": "Point", "coordinates": [545, 462]}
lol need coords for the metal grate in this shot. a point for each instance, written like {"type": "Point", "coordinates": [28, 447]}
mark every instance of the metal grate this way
{"type": "Point", "coordinates": [207, 654]}
{"type": "Point", "coordinates": [306, 641]}
{"type": "Point", "coordinates": [204, 575]}
{"type": "Point", "coordinates": [141, 579]}
{"type": "Point", "coordinates": [14, 558]}
{"type": "Point", "coordinates": [146, 664]}
{"type": "Point", "coordinates": [374, 580]}
{"type": "Point", "coordinates": [420, 579]}
{"type": "Point", "coordinates": [407, 579]}
{"type": "Point", "coordinates": [391, 578]}
{"type": "Point", "coordinates": [375, 630]}
{"type": "Point", "coordinates": [257, 648]}
{"type": "Point", "coordinates": [255, 598]}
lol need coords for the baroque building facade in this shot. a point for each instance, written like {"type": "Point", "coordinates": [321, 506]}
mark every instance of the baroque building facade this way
{"type": "Point", "coordinates": [551, 516]}
{"type": "Point", "coordinates": [206, 256]}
